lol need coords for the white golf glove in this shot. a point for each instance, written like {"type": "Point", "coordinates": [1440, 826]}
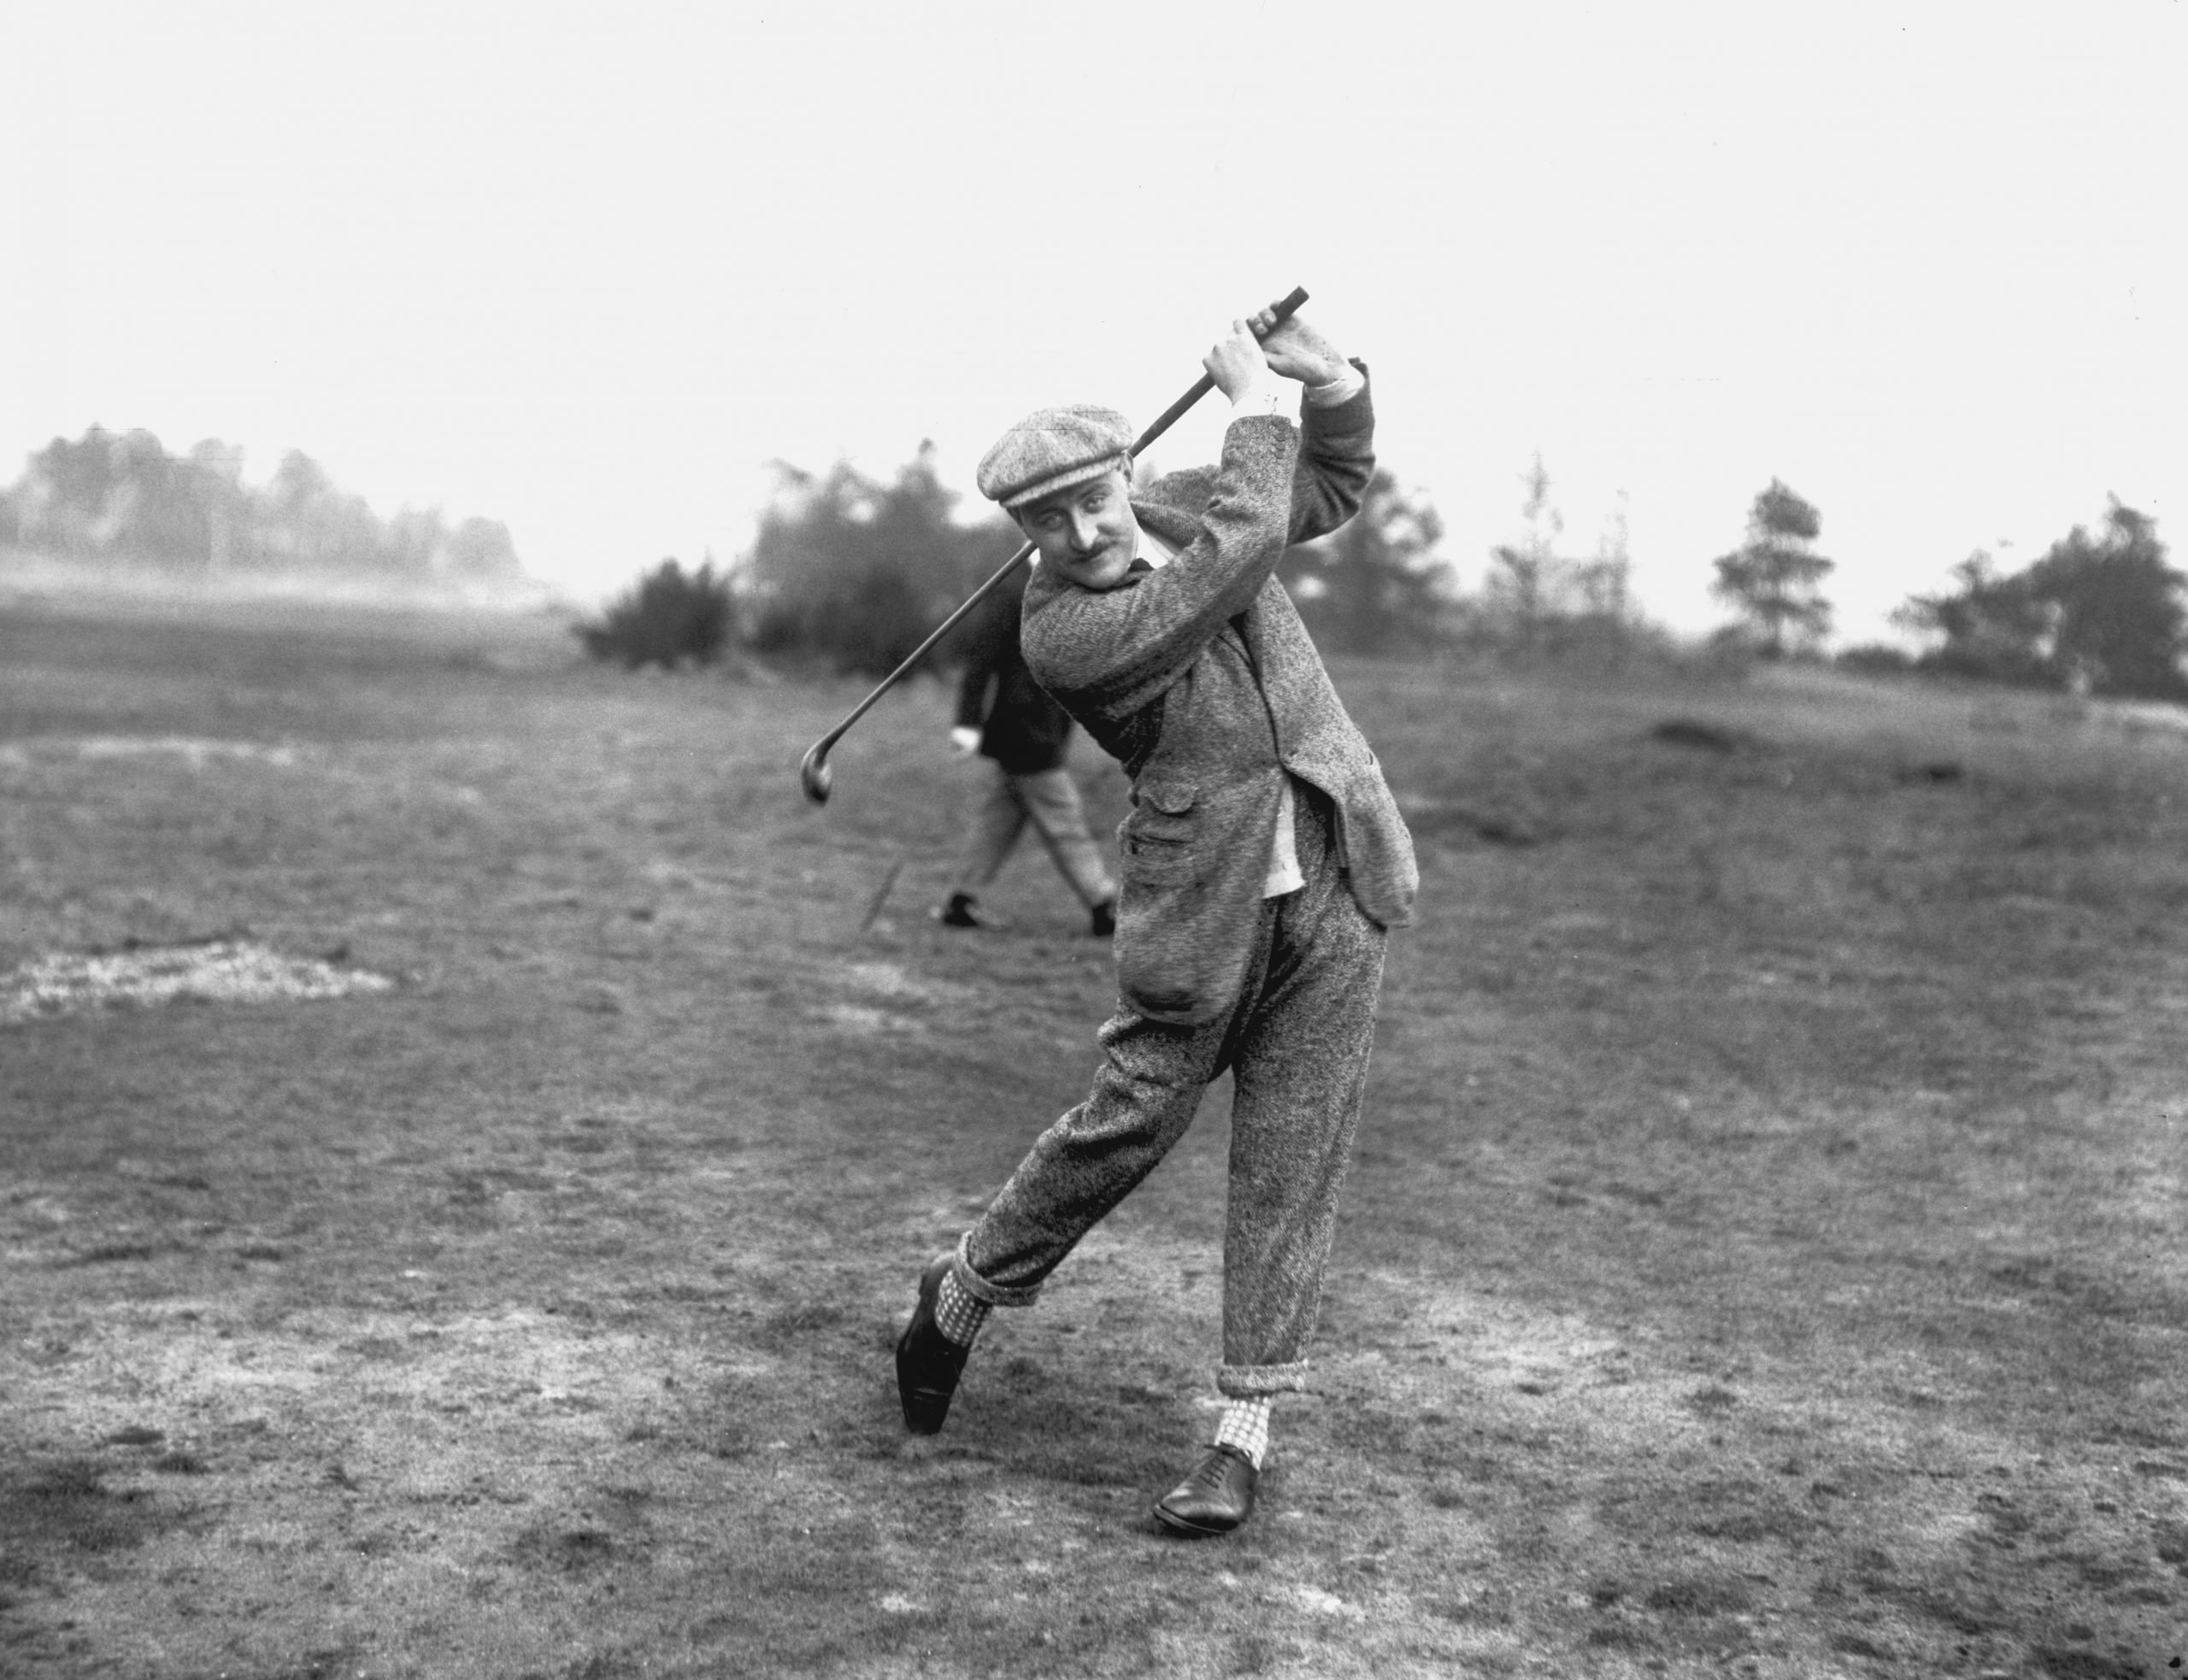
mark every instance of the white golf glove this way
{"type": "Point", "coordinates": [964, 739]}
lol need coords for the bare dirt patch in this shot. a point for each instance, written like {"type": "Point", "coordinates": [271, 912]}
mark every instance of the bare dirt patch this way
{"type": "Point", "coordinates": [213, 971]}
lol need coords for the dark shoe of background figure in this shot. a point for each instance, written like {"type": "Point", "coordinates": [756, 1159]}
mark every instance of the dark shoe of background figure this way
{"type": "Point", "coordinates": [1104, 919]}
{"type": "Point", "coordinates": [960, 913]}
{"type": "Point", "coordinates": [928, 1363]}
{"type": "Point", "coordinates": [1215, 1499]}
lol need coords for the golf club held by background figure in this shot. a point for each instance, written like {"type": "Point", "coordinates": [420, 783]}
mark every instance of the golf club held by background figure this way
{"type": "Point", "coordinates": [813, 770]}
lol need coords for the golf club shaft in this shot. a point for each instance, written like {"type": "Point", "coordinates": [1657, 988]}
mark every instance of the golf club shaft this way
{"type": "Point", "coordinates": [813, 770]}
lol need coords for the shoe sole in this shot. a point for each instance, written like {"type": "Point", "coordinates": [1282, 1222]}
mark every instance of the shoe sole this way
{"type": "Point", "coordinates": [1191, 1531]}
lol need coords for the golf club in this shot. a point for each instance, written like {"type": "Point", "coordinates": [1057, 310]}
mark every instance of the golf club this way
{"type": "Point", "coordinates": [813, 772]}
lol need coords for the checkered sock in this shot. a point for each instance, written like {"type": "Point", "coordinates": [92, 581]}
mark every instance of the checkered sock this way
{"type": "Point", "coordinates": [1245, 1426]}
{"type": "Point", "coordinates": [957, 1315]}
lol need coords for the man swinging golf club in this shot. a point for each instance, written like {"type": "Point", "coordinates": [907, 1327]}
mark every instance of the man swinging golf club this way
{"type": "Point", "coordinates": [1262, 861]}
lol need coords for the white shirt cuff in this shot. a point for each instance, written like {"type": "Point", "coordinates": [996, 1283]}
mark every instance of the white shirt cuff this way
{"type": "Point", "coordinates": [1266, 395]}
{"type": "Point", "coordinates": [1343, 388]}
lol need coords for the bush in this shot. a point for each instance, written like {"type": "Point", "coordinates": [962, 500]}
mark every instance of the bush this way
{"type": "Point", "coordinates": [669, 616]}
{"type": "Point", "coordinates": [1876, 659]}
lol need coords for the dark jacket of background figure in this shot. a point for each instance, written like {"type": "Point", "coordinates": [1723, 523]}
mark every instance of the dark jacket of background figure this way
{"type": "Point", "coordinates": [1021, 729]}
{"type": "Point", "coordinates": [1200, 680]}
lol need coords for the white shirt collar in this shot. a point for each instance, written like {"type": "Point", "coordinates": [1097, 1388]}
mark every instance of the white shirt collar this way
{"type": "Point", "coordinates": [1154, 550]}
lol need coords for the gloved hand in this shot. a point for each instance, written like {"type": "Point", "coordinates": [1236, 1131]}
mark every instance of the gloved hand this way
{"type": "Point", "coordinates": [966, 740]}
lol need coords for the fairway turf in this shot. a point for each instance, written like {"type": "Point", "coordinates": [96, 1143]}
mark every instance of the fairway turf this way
{"type": "Point", "coordinates": [1764, 1254]}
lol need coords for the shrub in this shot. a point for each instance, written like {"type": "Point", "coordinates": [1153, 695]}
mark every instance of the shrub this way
{"type": "Point", "coordinates": [668, 616]}
{"type": "Point", "coordinates": [1875, 659]}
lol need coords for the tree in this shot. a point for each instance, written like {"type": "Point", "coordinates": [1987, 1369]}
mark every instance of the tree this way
{"type": "Point", "coordinates": [1530, 584]}
{"type": "Point", "coordinates": [416, 541]}
{"type": "Point", "coordinates": [111, 494]}
{"type": "Point", "coordinates": [857, 571]}
{"type": "Point", "coordinates": [1775, 577]}
{"type": "Point", "coordinates": [480, 547]}
{"type": "Point", "coordinates": [63, 498]}
{"type": "Point", "coordinates": [1606, 581]}
{"type": "Point", "coordinates": [2099, 615]}
{"type": "Point", "coordinates": [1537, 602]}
{"type": "Point", "coordinates": [300, 520]}
{"type": "Point", "coordinates": [1994, 629]}
{"type": "Point", "coordinates": [154, 510]}
{"type": "Point", "coordinates": [2118, 619]}
{"type": "Point", "coordinates": [216, 482]}
{"type": "Point", "coordinates": [1375, 585]}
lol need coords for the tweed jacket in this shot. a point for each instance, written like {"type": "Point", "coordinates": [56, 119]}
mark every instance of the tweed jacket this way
{"type": "Point", "coordinates": [1200, 678]}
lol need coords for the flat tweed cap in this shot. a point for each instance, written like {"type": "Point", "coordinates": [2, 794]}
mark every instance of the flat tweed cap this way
{"type": "Point", "coordinates": [1053, 450]}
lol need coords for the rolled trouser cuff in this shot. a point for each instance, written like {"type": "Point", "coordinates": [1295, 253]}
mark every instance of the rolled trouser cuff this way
{"type": "Point", "coordinates": [995, 1294]}
{"type": "Point", "coordinates": [1251, 1382]}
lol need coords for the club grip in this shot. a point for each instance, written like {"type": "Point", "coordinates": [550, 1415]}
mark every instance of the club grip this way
{"type": "Point", "coordinates": [1286, 307]}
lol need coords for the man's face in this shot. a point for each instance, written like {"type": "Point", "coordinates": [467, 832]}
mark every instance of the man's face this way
{"type": "Point", "coordinates": [1085, 534]}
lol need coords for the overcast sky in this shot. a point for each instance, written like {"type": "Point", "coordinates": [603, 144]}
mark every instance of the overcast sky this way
{"type": "Point", "coordinates": [587, 269]}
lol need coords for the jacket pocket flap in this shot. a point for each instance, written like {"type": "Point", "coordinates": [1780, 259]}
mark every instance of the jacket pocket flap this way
{"type": "Point", "coordinates": [1171, 799]}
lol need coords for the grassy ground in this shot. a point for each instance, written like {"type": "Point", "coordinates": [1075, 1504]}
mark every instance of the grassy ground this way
{"type": "Point", "coordinates": [1764, 1255]}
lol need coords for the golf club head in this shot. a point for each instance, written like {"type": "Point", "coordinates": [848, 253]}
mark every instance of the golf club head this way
{"type": "Point", "coordinates": [813, 773]}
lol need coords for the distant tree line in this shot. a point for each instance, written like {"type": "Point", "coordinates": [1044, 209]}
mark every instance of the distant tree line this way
{"type": "Point", "coordinates": [120, 496]}
{"type": "Point", "coordinates": [851, 574]}
{"type": "Point", "coordinates": [2102, 613]}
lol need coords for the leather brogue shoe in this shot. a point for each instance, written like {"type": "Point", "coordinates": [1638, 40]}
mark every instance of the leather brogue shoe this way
{"type": "Point", "coordinates": [928, 1363]}
{"type": "Point", "coordinates": [1215, 1499]}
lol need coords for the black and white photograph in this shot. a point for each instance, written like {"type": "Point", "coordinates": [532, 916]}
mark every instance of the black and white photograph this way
{"type": "Point", "coordinates": [1198, 839]}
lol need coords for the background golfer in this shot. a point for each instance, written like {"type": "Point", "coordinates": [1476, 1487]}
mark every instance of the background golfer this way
{"type": "Point", "coordinates": [1008, 718]}
{"type": "Point", "coordinates": [1262, 860]}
